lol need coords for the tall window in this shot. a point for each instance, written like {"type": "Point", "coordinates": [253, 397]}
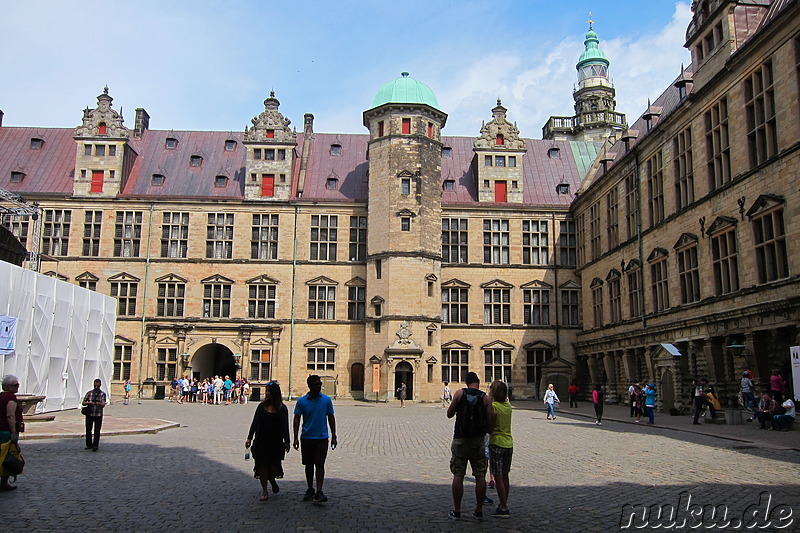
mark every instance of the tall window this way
{"type": "Point", "coordinates": [264, 240]}
{"type": "Point", "coordinates": [323, 237]}
{"type": "Point", "coordinates": [55, 231]}
{"type": "Point", "coordinates": [718, 148]}
{"type": "Point", "coordinates": [166, 364]}
{"type": "Point", "coordinates": [533, 365]}
{"type": "Point", "coordinates": [569, 307]}
{"type": "Point", "coordinates": [631, 204]}
{"type": "Point", "coordinates": [455, 365]}
{"type": "Point", "coordinates": [597, 304]}
{"type": "Point", "coordinates": [123, 355]}
{"type": "Point", "coordinates": [724, 258]}
{"type": "Point", "coordinates": [612, 217]}
{"type": "Point", "coordinates": [566, 243]}
{"type": "Point", "coordinates": [216, 300]}
{"type": "Point", "coordinates": [127, 234]}
{"type": "Point", "coordinates": [581, 239]}
{"type": "Point", "coordinates": [594, 230]}
{"type": "Point", "coordinates": [497, 306]}
{"type": "Point", "coordinates": [535, 242]}
{"type": "Point", "coordinates": [171, 297]}
{"type": "Point", "coordinates": [358, 238]}
{"type": "Point", "coordinates": [659, 278]}
{"type": "Point", "coordinates": [261, 300]}
{"type": "Point", "coordinates": [91, 233]}
{"type": "Point", "coordinates": [18, 225]}
{"type": "Point", "coordinates": [498, 365]}
{"type": "Point", "coordinates": [684, 172]}
{"type": "Point", "coordinates": [762, 134]}
{"type": "Point", "coordinates": [655, 189]}
{"type": "Point", "coordinates": [614, 297]}
{"type": "Point", "coordinates": [321, 302]}
{"type": "Point", "coordinates": [770, 240]}
{"type": "Point", "coordinates": [634, 274]}
{"type": "Point", "coordinates": [536, 306]}
{"type": "Point", "coordinates": [495, 242]}
{"type": "Point", "coordinates": [125, 293]}
{"type": "Point", "coordinates": [175, 235]}
{"type": "Point", "coordinates": [356, 303]}
{"type": "Point", "coordinates": [406, 127]}
{"type": "Point", "coordinates": [689, 274]}
{"type": "Point", "coordinates": [455, 305]}
{"type": "Point", "coordinates": [321, 359]}
{"type": "Point", "coordinates": [454, 240]}
{"type": "Point", "coordinates": [259, 365]}
{"type": "Point", "coordinates": [219, 236]}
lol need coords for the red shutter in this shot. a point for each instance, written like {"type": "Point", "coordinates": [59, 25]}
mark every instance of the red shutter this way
{"type": "Point", "coordinates": [500, 191]}
{"type": "Point", "coordinates": [380, 129]}
{"type": "Point", "coordinates": [97, 181]}
{"type": "Point", "coordinates": [268, 185]}
{"type": "Point", "coordinates": [270, 134]}
{"type": "Point", "coordinates": [406, 126]}
{"type": "Point", "coordinates": [101, 128]}
{"type": "Point", "coordinates": [430, 130]}
{"type": "Point", "coordinates": [500, 141]}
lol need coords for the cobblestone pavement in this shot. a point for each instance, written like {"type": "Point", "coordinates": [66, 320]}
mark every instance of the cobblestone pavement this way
{"type": "Point", "coordinates": [389, 473]}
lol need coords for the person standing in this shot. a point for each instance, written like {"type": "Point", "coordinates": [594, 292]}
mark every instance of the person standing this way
{"type": "Point", "coordinates": [501, 445]}
{"type": "Point", "coordinates": [316, 410]}
{"type": "Point", "coordinates": [10, 419]}
{"type": "Point", "coordinates": [127, 392]}
{"type": "Point", "coordinates": [550, 400]}
{"type": "Point", "coordinates": [474, 415]}
{"type": "Point", "coordinates": [700, 399]}
{"type": "Point", "coordinates": [650, 402]}
{"type": "Point", "coordinates": [446, 395]}
{"type": "Point", "coordinates": [776, 384]}
{"type": "Point", "coordinates": [748, 393]}
{"type": "Point", "coordinates": [573, 395]}
{"type": "Point", "coordinates": [638, 402]}
{"type": "Point", "coordinates": [597, 400]}
{"type": "Point", "coordinates": [632, 399]}
{"type": "Point", "coordinates": [401, 393]}
{"type": "Point", "coordinates": [270, 427]}
{"type": "Point", "coordinates": [95, 400]}
{"type": "Point", "coordinates": [218, 384]}
{"type": "Point", "coordinates": [227, 387]}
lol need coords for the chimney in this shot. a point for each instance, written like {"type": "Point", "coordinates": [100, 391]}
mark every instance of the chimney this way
{"type": "Point", "coordinates": [141, 123]}
{"type": "Point", "coordinates": [308, 132]}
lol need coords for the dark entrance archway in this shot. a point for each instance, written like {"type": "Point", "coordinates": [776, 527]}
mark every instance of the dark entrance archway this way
{"type": "Point", "coordinates": [214, 360]}
{"type": "Point", "coordinates": [404, 373]}
{"type": "Point", "coordinates": [357, 377]}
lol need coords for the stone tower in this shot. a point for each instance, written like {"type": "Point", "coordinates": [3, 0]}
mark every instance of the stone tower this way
{"type": "Point", "coordinates": [270, 151]}
{"type": "Point", "coordinates": [404, 234]}
{"type": "Point", "coordinates": [595, 117]}
{"type": "Point", "coordinates": [499, 152]}
{"type": "Point", "coordinates": [102, 142]}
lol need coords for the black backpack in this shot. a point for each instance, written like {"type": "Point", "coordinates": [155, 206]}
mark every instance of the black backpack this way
{"type": "Point", "coordinates": [472, 414]}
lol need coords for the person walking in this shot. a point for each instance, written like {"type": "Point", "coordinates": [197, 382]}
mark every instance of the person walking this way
{"type": "Point", "coordinates": [401, 393]}
{"type": "Point", "coordinates": [550, 401]}
{"type": "Point", "coordinates": [96, 401]}
{"type": "Point", "coordinates": [638, 402]}
{"type": "Point", "coordinates": [447, 397]}
{"type": "Point", "coordinates": [748, 393]}
{"type": "Point", "coordinates": [632, 399]}
{"type": "Point", "coordinates": [474, 416]}
{"type": "Point", "coordinates": [501, 445]}
{"type": "Point", "coordinates": [316, 411]}
{"type": "Point", "coordinates": [700, 399]}
{"type": "Point", "coordinates": [573, 395]}
{"type": "Point", "coordinates": [10, 420]}
{"type": "Point", "coordinates": [597, 400]}
{"type": "Point", "coordinates": [650, 402]}
{"type": "Point", "coordinates": [127, 392]}
{"type": "Point", "coordinates": [270, 427]}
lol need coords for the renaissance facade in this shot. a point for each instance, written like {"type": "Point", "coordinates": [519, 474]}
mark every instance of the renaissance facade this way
{"type": "Point", "coordinates": [403, 255]}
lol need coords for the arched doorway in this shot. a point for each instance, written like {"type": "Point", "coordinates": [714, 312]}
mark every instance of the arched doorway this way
{"type": "Point", "coordinates": [214, 360]}
{"type": "Point", "coordinates": [357, 377]}
{"type": "Point", "coordinates": [404, 373]}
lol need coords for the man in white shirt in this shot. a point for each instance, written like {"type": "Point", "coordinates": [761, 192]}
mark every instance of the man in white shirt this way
{"type": "Point", "coordinates": [782, 421]}
{"type": "Point", "coordinates": [217, 390]}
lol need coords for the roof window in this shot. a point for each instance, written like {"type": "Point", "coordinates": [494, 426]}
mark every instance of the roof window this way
{"type": "Point", "coordinates": [17, 177]}
{"type": "Point", "coordinates": [449, 185]}
{"type": "Point", "coordinates": [196, 161]}
{"type": "Point", "coordinates": [562, 188]}
{"type": "Point", "coordinates": [221, 182]}
{"type": "Point", "coordinates": [158, 180]}
{"type": "Point", "coordinates": [171, 143]}
{"type": "Point", "coordinates": [554, 153]}
{"type": "Point", "coordinates": [230, 145]}
{"type": "Point", "coordinates": [332, 184]}
{"type": "Point", "coordinates": [447, 151]}
{"type": "Point", "coordinates": [336, 149]}
{"type": "Point", "coordinates": [36, 144]}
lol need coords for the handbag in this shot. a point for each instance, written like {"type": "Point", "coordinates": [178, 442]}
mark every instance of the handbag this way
{"type": "Point", "coordinates": [13, 464]}
{"type": "Point", "coordinates": [85, 410]}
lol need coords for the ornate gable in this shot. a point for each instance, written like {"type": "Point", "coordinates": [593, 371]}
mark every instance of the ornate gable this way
{"type": "Point", "coordinates": [123, 276]}
{"type": "Point", "coordinates": [119, 339]}
{"type": "Point", "coordinates": [455, 283]}
{"type": "Point", "coordinates": [321, 280]}
{"type": "Point", "coordinates": [496, 284]}
{"type": "Point", "coordinates": [613, 274]}
{"type": "Point", "coordinates": [720, 223]}
{"type": "Point", "coordinates": [170, 278]}
{"type": "Point", "coordinates": [263, 278]}
{"type": "Point", "coordinates": [356, 282]}
{"type": "Point", "coordinates": [456, 345]}
{"type": "Point", "coordinates": [656, 254]}
{"type": "Point", "coordinates": [499, 129]}
{"type": "Point", "coordinates": [596, 282]}
{"type": "Point", "coordinates": [216, 278]}
{"type": "Point", "coordinates": [571, 284]}
{"type": "Point", "coordinates": [539, 344]}
{"type": "Point", "coordinates": [102, 121]}
{"type": "Point", "coordinates": [497, 345]}
{"type": "Point", "coordinates": [86, 276]}
{"type": "Point", "coordinates": [633, 264]}
{"type": "Point", "coordinates": [536, 284]}
{"type": "Point", "coordinates": [320, 343]}
{"type": "Point", "coordinates": [271, 126]}
{"type": "Point", "coordinates": [763, 203]}
{"type": "Point", "coordinates": [687, 239]}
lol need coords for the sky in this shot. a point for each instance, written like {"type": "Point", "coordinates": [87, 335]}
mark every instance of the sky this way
{"type": "Point", "coordinates": [209, 65]}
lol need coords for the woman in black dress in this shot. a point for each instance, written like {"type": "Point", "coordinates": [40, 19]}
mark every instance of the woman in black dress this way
{"type": "Point", "coordinates": [271, 430]}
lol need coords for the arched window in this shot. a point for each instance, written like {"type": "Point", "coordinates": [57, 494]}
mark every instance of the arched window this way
{"type": "Point", "coordinates": [101, 129]}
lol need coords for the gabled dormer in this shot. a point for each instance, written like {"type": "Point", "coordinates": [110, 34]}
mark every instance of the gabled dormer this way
{"type": "Point", "coordinates": [270, 145]}
{"type": "Point", "coordinates": [102, 149]}
{"type": "Point", "coordinates": [498, 156]}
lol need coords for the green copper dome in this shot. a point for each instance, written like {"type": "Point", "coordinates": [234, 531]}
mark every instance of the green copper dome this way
{"type": "Point", "coordinates": [405, 90]}
{"type": "Point", "coordinates": [592, 54]}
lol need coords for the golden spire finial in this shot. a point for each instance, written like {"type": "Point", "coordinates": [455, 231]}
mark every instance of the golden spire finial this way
{"type": "Point", "coordinates": [590, 21]}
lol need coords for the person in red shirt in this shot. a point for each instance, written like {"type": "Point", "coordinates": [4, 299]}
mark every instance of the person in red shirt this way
{"type": "Point", "coordinates": [573, 395]}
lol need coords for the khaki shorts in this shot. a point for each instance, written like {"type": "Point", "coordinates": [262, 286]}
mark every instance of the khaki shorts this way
{"type": "Point", "coordinates": [472, 450]}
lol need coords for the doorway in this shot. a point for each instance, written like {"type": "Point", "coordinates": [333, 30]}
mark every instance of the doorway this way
{"type": "Point", "coordinates": [214, 360]}
{"type": "Point", "coordinates": [404, 373]}
{"type": "Point", "coordinates": [667, 391]}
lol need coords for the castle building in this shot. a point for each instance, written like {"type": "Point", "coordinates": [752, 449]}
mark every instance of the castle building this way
{"type": "Point", "coordinates": [403, 255]}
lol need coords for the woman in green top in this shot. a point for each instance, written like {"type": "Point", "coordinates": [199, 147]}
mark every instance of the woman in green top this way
{"type": "Point", "coordinates": [501, 445]}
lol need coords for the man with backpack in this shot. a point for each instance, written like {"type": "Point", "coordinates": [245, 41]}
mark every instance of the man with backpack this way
{"type": "Point", "coordinates": [474, 418]}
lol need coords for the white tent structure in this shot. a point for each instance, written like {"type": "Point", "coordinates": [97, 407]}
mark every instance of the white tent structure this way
{"type": "Point", "coordinates": [57, 337]}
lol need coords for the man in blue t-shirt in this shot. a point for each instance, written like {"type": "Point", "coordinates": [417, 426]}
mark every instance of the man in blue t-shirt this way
{"type": "Point", "coordinates": [226, 389]}
{"type": "Point", "coordinates": [317, 412]}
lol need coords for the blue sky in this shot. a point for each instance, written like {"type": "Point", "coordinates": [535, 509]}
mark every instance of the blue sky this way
{"type": "Point", "coordinates": [208, 65]}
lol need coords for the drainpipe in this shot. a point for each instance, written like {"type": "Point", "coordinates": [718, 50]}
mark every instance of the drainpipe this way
{"type": "Point", "coordinates": [639, 238]}
{"type": "Point", "coordinates": [144, 302]}
{"type": "Point", "coordinates": [555, 285]}
{"type": "Point", "coordinates": [294, 292]}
